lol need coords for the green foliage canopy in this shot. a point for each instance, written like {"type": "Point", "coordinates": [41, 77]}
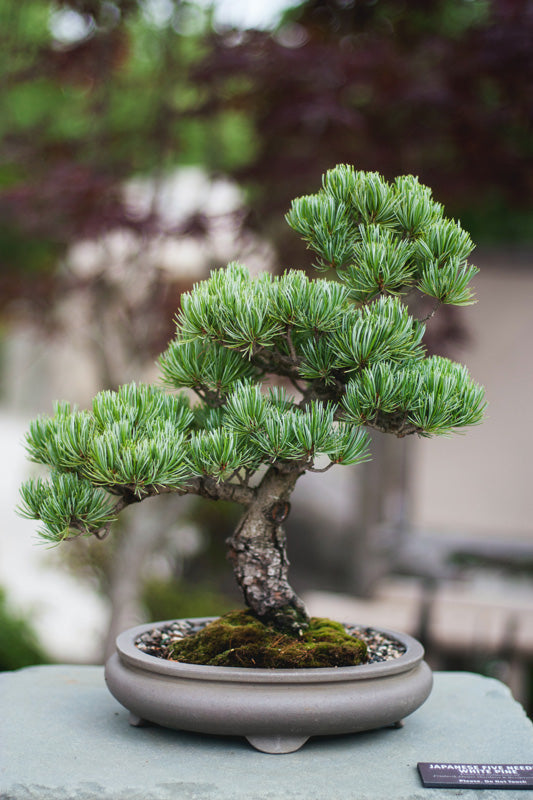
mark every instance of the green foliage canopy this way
{"type": "Point", "coordinates": [348, 346]}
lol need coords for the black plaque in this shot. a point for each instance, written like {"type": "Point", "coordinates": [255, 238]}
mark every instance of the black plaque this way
{"type": "Point", "coordinates": [476, 776]}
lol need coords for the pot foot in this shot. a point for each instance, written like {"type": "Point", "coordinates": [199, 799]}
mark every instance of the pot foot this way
{"type": "Point", "coordinates": [136, 721]}
{"type": "Point", "coordinates": [277, 744]}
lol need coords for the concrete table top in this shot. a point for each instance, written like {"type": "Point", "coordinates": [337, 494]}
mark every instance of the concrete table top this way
{"type": "Point", "coordinates": [64, 737]}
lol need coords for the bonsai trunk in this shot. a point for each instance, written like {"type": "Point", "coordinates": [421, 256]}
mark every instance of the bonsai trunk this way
{"type": "Point", "coordinates": [259, 555]}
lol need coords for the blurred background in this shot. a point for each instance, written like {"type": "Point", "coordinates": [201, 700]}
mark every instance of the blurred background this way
{"type": "Point", "coordinates": [145, 142]}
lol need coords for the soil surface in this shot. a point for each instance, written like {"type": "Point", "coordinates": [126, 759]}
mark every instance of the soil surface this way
{"type": "Point", "coordinates": [156, 642]}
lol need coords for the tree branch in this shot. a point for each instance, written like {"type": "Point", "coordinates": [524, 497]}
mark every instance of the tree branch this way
{"type": "Point", "coordinates": [272, 361]}
{"type": "Point", "coordinates": [396, 424]}
{"type": "Point", "coordinates": [209, 397]}
{"type": "Point", "coordinates": [432, 312]}
{"type": "Point", "coordinates": [292, 351]}
{"type": "Point", "coordinates": [322, 469]}
{"type": "Point", "coordinates": [221, 490]}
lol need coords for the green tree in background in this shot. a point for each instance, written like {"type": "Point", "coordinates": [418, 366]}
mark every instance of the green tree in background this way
{"type": "Point", "coordinates": [18, 643]}
{"type": "Point", "coordinates": [441, 89]}
{"type": "Point", "coordinates": [93, 94]}
{"type": "Point", "coordinates": [438, 88]}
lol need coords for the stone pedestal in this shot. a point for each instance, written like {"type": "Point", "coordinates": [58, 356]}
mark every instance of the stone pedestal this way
{"type": "Point", "coordinates": [64, 737]}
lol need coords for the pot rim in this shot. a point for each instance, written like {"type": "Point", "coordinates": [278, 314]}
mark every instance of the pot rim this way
{"type": "Point", "coordinates": [130, 654]}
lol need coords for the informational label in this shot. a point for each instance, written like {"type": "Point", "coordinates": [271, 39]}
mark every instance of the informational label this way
{"type": "Point", "coordinates": [476, 776]}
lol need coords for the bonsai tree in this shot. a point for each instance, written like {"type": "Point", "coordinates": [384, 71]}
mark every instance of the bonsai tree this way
{"type": "Point", "coordinates": [287, 375]}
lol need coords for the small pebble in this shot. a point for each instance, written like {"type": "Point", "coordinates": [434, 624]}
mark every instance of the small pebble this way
{"type": "Point", "coordinates": [379, 646]}
{"type": "Point", "coordinates": [155, 642]}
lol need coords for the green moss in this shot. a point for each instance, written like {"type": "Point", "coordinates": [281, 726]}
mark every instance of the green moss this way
{"type": "Point", "coordinates": [239, 639]}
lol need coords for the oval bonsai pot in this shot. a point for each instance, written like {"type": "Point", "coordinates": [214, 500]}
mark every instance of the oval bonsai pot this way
{"type": "Point", "coordinates": [277, 710]}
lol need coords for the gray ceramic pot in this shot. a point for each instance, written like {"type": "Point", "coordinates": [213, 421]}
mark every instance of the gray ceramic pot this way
{"type": "Point", "coordinates": [276, 710]}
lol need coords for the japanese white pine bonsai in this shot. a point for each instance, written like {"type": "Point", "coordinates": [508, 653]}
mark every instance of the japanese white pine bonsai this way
{"type": "Point", "coordinates": [346, 346]}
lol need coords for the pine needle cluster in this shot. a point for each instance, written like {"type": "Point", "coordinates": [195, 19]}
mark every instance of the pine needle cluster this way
{"type": "Point", "coordinates": [384, 237]}
{"type": "Point", "coordinates": [345, 351]}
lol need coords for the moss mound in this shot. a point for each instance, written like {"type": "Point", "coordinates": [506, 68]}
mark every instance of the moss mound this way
{"type": "Point", "coordinates": [239, 639]}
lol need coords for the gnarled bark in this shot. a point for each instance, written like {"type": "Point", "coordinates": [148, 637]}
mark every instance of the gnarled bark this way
{"type": "Point", "coordinates": [259, 554]}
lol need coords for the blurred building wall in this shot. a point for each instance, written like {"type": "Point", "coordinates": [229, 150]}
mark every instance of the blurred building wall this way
{"type": "Point", "coordinates": [480, 483]}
